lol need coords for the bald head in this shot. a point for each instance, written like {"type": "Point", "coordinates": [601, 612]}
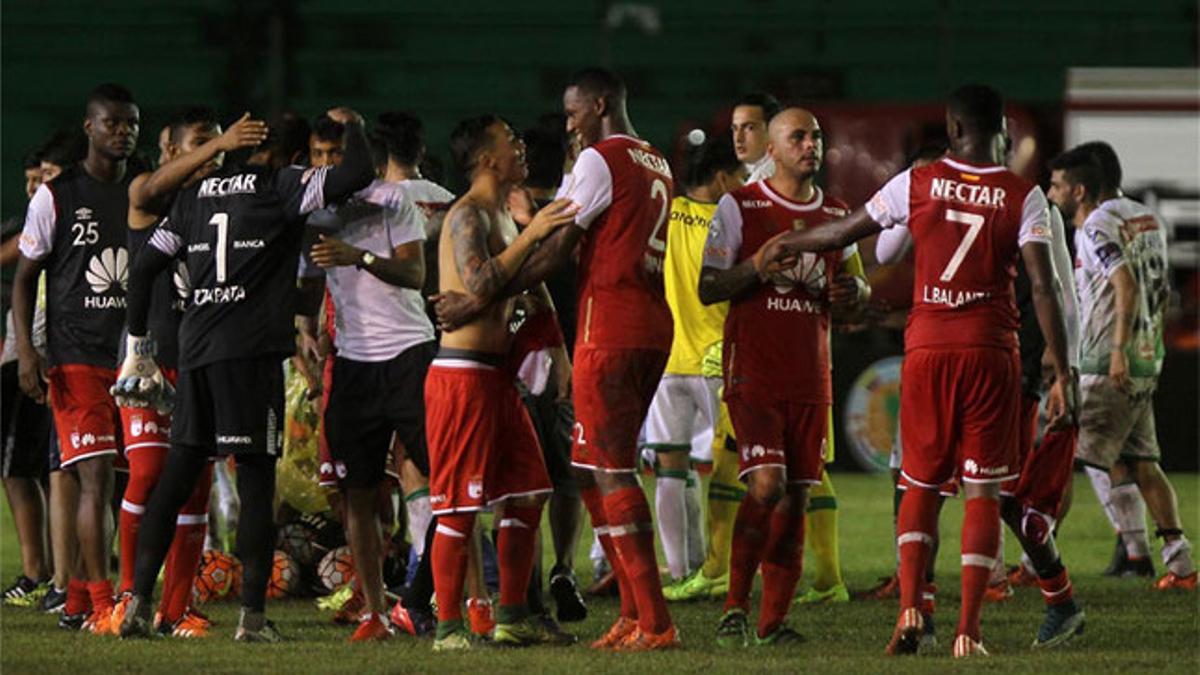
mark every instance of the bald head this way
{"type": "Point", "coordinates": [797, 144]}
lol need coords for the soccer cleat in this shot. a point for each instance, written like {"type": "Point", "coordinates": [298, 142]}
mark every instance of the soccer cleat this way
{"type": "Point", "coordinates": [832, 595]}
{"type": "Point", "coordinates": [553, 634]}
{"type": "Point", "coordinates": [696, 586]}
{"type": "Point", "coordinates": [412, 621]}
{"type": "Point", "coordinates": [135, 622]}
{"type": "Point", "coordinates": [192, 624]}
{"type": "Point", "coordinates": [523, 633]}
{"type": "Point", "coordinates": [888, 588]}
{"type": "Point", "coordinates": [100, 622]}
{"type": "Point", "coordinates": [622, 628]}
{"type": "Point", "coordinates": [456, 641]}
{"type": "Point", "coordinates": [965, 647]}
{"type": "Point", "coordinates": [1120, 560]}
{"type": "Point", "coordinates": [1019, 575]}
{"type": "Point", "coordinates": [480, 617]}
{"type": "Point", "coordinates": [1172, 581]}
{"type": "Point", "coordinates": [1138, 567]}
{"type": "Point", "coordinates": [999, 591]}
{"type": "Point", "coordinates": [118, 612]}
{"type": "Point", "coordinates": [928, 639]}
{"type": "Point", "coordinates": [1062, 623]}
{"type": "Point", "coordinates": [72, 621]}
{"type": "Point", "coordinates": [783, 636]}
{"type": "Point", "coordinates": [568, 602]}
{"type": "Point", "coordinates": [641, 641]}
{"type": "Point", "coordinates": [335, 600]}
{"type": "Point", "coordinates": [373, 628]}
{"type": "Point", "coordinates": [25, 592]}
{"type": "Point", "coordinates": [351, 610]}
{"type": "Point", "coordinates": [734, 629]}
{"type": "Point", "coordinates": [255, 627]}
{"type": "Point", "coordinates": [906, 638]}
{"type": "Point", "coordinates": [53, 601]}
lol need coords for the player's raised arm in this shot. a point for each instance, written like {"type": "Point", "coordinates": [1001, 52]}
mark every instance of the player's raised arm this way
{"type": "Point", "coordinates": [1047, 302]}
{"type": "Point", "coordinates": [721, 276]}
{"type": "Point", "coordinates": [148, 189]}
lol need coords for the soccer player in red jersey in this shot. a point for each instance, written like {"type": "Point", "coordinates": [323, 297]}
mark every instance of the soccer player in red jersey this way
{"type": "Point", "coordinates": [968, 218]}
{"type": "Point", "coordinates": [777, 370]}
{"type": "Point", "coordinates": [623, 188]}
{"type": "Point", "coordinates": [483, 450]}
{"type": "Point", "coordinates": [75, 231]}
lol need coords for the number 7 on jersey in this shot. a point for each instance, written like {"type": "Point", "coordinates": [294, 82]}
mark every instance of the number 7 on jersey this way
{"type": "Point", "coordinates": [974, 223]}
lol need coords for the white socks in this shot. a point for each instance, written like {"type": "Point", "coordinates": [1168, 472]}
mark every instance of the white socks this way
{"type": "Point", "coordinates": [1177, 556]}
{"type": "Point", "coordinates": [416, 505]}
{"type": "Point", "coordinates": [696, 549]}
{"type": "Point", "coordinates": [1102, 485]}
{"type": "Point", "coordinates": [1130, 512]}
{"type": "Point", "coordinates": [670, 503]}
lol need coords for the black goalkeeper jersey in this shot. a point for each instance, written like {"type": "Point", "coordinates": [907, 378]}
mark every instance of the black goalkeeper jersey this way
{"type": "Point", "coordinates": [167, 302]}
{"type": "Point", "coordinates": [239, 231]}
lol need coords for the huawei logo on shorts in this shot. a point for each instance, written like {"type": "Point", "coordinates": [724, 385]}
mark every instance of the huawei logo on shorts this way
{"type": "Point", "coordinates": [108, 270]}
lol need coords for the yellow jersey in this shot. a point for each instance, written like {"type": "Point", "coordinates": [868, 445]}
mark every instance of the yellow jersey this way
{"type": "Point", "coordinates": [697, 326]}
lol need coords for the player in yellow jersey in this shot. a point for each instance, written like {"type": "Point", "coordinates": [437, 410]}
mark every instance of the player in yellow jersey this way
{"type": "Point", "coordinates": [679, 426]}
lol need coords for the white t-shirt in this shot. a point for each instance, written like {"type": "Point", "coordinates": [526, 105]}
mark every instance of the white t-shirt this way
{"type": "Point", "coordinates": [763, 169]}
{"type": "Point", "coordinates": [375, 320]}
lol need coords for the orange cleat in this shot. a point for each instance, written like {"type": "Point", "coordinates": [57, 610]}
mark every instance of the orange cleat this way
{"type": "Point", "coordinates": [118, 612]}
{"type": "Point", "coordinates": [906, 638]}
{"type": "Point", "coordinates": [192, 624]}
{"type": "Point", "coordinates": [99, 622]}
{"type": "Point", "coordinates": [351, 612]}
{"type": "Point", "coordinates": [373, 628]}
{"type": "Point", "coordinates": [480, 617]}
{"type": "Point", "coordinates": [1172, 581]}
{"type": "Point", "coordinates": [888, 588]}
{"type": "Point", "coordinates": [623, 628]}
{"type": "Point", "coordinates": [641, 641]}
{"type": "Point", "coordinates": [998, 592]}
{"type": "Point", "coordinates": [1019, 576]}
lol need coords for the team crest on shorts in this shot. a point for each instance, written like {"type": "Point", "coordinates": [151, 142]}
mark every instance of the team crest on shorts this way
{"type": "Point", "coordinates": [136, 425]}
{"type": "Point", "coordinates": [475, 488]}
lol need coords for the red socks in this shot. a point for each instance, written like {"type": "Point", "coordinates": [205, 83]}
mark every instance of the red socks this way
{"type": "Point", "coordinates": [1057, 589]}
{"type": "Point", "coordinates": [101, 593]}
{"type": "Point", "coordinates": [632, 531]}
{"type": "Point", "coordinates": [450, 563]}
{"type": "Point", "coordinates": [186, 549]}
{"type": "Point", "coordinates": [78, 601]}
{"type": "Point", "coordinates": [781, 564]}
{"type": "Point", "coordinates": [145, 466]}
{"type": "Point", "coordinates": [595, 506]}
{"type": "Point", "coordinates": [515, 548]}
{"type": "Point", "coordinates": [916, 530]}
{"type": "Point", "coordinates": [751, 528]}
{"type": "Point", "coordinates": [980, 534]}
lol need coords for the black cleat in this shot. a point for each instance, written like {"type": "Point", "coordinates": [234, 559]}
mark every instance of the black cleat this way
{"type": "Point", "coordinates": [137, 624]}
{"type": "Point", "coordinates": [53, 602]}
{"type": "Point", "coordinates": [567, 600]}
{"type": "Point", "coordinates": [1116, 566]}
{"type": "Point", "coordinates": [72, 621]}
{"type": "Point", "coordinates": [1062, 623]}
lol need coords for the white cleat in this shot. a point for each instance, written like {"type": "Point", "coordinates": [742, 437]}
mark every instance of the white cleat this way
{"type": "Point", "coordinates": [965, 647]}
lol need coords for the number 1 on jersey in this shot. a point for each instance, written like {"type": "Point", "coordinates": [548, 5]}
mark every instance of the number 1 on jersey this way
{"type": "Point", "coordinates": [974, 223]}
{"type": "Point", "coordinates": [221, 220]}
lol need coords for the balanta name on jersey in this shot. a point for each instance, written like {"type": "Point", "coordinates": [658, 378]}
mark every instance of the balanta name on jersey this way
{"type": "Point", "coordinates": [238, 184]}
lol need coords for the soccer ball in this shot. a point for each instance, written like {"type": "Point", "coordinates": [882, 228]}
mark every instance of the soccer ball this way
{"type": "Point", "coordinates": [218, 575]}
{"type": "Point", "coordinates": [285, 575]}
{"type": "Point", "coordinates": [299, 539]}
{"type": "Point", "coordinates": [336, 569]}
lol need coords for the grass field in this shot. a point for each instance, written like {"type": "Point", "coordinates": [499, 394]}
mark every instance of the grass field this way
{"type": "Point", "coordinates": [1129, 629]}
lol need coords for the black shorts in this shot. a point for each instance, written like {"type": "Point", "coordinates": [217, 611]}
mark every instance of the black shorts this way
{"type": "Point", "coordinates": [231, 407]}
{"type": "Point", "coordinates": [25, 426]}
{"type": "Point", "coordinates": [554, 421]}
{"type": "Point", "coordinates": [368, 403]}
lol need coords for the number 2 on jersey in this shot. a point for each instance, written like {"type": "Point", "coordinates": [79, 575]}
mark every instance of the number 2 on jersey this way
{"type": "Point", "coordinates": [221, 220]}
{"type": "Point", "coordinates": [658, 189]}
{"type": "Point", "coordinates": [974, 223]}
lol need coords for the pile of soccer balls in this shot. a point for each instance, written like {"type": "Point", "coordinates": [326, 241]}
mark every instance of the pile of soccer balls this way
{"type": "Point", "coordinates": [311, 559]}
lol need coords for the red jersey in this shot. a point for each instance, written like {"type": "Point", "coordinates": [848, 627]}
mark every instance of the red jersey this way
{"type": "Point", "coordinates": [776, 334]}
{"type": "Point", "coordinates": [967, 224]}
{"type": "Point", "coordinates": [623, 187]}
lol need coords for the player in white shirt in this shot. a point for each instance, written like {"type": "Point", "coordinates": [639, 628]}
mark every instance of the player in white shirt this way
{"type": "Point", "coordinates": [750, 117]}
{"type": "Point", "coordinates": [1121, 273]}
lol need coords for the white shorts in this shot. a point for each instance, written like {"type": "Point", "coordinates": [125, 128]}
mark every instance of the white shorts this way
{"type": "Point", "coordinates": [682, 415]}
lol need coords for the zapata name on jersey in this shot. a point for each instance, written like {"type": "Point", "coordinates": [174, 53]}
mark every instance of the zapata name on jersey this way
{"type": "Point", "coordinates": [238, 184]}
{"type": "Point", "coordinates": [219, 295]}
{"type": "Point", "coordinates": [947, 190]}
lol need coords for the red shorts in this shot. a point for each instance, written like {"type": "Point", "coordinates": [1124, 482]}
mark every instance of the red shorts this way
{"type": "Point", "coordinates": [146, 427]}
{"type": "Point", "coordinates": [85, 414]}
{"type": "Point", "coordinates": [613, 391]}
{"type": "Point", "coordinates": [482, 446]}
{"type": "Point", "coordinates": [1046, 469]}
{"type": "Point", "coordinates": [776, 433]}
{"type": "Point", "coordinates": [960, 412]}
{"type": "Point", "coordinates": [326, 476]}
